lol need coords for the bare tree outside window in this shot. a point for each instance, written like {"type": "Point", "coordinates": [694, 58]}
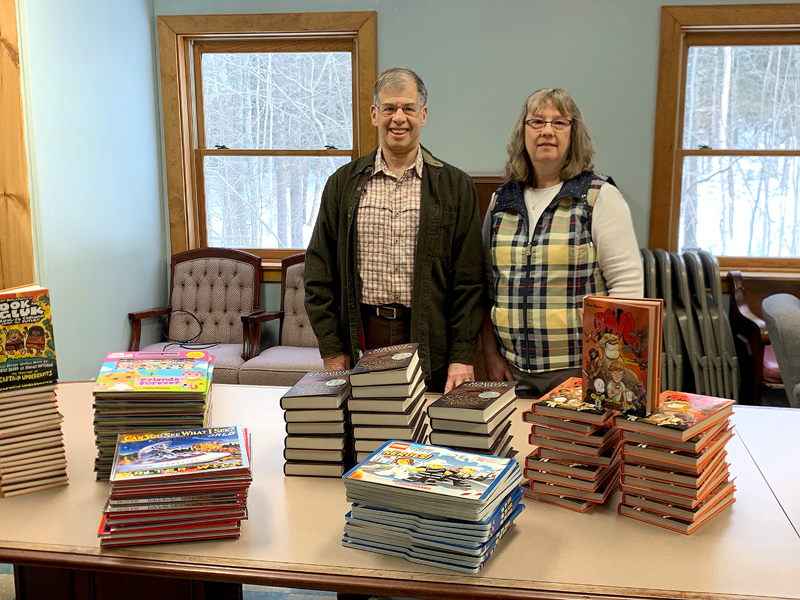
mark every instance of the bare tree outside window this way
{"type": "Point", "coordinates": [741, 165]}
{"type": "Point", "coordinates": [268, 118]}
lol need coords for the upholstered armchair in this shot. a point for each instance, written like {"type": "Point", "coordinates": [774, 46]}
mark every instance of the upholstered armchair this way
{"type": "Point", "coordinates": [297, 351]}
{"type": "Point", "coordinates": [781, 314]}
{"type": "Point", "coordinates": [211, 289]}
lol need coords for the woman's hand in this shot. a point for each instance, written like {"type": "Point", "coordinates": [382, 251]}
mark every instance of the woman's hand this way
{"type": "Point", "coordinates": [496, 366]}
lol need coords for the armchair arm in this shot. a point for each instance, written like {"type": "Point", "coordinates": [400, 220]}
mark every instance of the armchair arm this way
{"type": "Point", "coordinates": [136, 324]}
{"type": "Point", "coordinates": [251, 323]}
{"type": "Point", "coordinates": [749, 338]}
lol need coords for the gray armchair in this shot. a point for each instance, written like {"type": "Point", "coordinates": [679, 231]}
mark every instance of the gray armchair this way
{"type": "Point", "coordinates": [219, 286]}
{"type": "Point", "coordinates": [297, 351]}
{"type": "Point", "coordinates": [781, 313]}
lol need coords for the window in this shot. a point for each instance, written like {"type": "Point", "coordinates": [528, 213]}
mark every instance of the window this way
{"type": "Point", "coordinates": [258, 111]}
{"type": "Point", "coordinates": [726, 172]}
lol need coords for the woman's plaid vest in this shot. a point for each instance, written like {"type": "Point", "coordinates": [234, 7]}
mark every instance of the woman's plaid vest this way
{"type": "Point", "coordinates": [539, 286]}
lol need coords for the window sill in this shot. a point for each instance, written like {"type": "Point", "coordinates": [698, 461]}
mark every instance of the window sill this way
{"type": "Point", "coordinates": [271, 270]}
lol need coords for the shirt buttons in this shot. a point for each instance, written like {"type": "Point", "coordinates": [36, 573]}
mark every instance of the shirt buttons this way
{"type": "Point", "coordinates": [396, 241]}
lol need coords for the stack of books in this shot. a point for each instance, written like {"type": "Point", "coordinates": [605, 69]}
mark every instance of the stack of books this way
{"type": "Point", "coordinates": [318, 437]}
{"type": "Point", "coordinates": [674, 468]}
{"type": "Point", "coordinates": [176, 486]}
{"type": "Point", "coordinates": [137, 392]}
{"type": "Point", "coordinates": [431, 505]}
{"type": "Point", "coordinates": [576, 460]}
{"type": "Point", "coordinates": [31, 443]}
{"type": "Point", "coordinates": [475, 416]}
{"type": "Point", "coordinates": [388, 398]}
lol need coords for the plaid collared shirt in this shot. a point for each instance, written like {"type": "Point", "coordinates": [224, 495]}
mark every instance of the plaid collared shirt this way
{"type": "Point", "coordinates": [387, 226]}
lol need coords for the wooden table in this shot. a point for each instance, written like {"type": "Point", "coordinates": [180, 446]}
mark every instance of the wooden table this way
{"type": "Point", "coordinates": [292, 537]}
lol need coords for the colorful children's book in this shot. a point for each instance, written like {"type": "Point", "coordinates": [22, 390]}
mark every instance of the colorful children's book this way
{"type": "Point", "coordinates": [566, 402]}
{"type": "Point", "coordinates": [680, 416]}
{"type": "Point", "coordinates": [622, 341]}
{"type": "Point", "coordinates": [150, 373]}
{"type": "Point", "coordinates": [27, 346]}
{"type": "Point", "coordinates": [212, 451]}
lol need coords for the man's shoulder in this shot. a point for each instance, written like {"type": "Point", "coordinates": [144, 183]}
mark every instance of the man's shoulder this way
{"type": "Point", "coordinates": [355, 166]}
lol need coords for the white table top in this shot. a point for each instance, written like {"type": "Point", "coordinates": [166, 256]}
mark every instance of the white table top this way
{"type": "Point", "coordinates": [294, 530]}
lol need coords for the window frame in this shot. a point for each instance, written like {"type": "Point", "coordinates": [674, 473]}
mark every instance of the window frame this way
{"type": "Point", "coordinates": [177, 36]}
{"type": "Point", "coordinates": [725, 25]}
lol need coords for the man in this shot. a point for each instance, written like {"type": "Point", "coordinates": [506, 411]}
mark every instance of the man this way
{"type": "Point", "coordinates": [396, 251]}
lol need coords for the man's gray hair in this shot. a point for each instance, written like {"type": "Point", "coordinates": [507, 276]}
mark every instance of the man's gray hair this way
{"type": "Point", "coordinates": [397, 78]}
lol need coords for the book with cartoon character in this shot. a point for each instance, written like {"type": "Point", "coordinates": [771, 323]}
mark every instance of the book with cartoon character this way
{"type": "Point", "coordinates": [566, 401]}
{"type": "Point", "coordinates": [680, 416]}
{"type": "Point", "coordinates": [27, 346]}
{"type": "Point", "coordinates": [178, 372]}
{"type": "Point", "coordinates": [622, 340]}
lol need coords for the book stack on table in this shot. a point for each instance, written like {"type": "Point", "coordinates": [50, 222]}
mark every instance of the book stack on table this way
{"type": "Point", "coordinates": [576, 460]}
{"type": "Point", "coordinates": [431, 505]}
{"type": "Point", "coordinates": [31, 443]}
{"type": "Point", "coordinates": [674, 468]}
{"type": "Point", "coordinates": [144, 391]}
{"type": "Point", "coordinates": [475, 416]}
{"type": "Point", "coordinates": [387, 398]}
{"type": "Point", "coordinates": [176, 486]}
{"type": "Point", "coordinates": [318, 438]}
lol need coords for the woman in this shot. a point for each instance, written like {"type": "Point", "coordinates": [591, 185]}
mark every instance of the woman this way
{"type": "Point", "coordinates": [555, 232]}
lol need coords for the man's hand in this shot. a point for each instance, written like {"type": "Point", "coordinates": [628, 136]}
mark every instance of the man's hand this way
{"type": "Point", "coordinates": [458, 373]}
{"type": "Point", "coordinates": [338, 362]}
{"type": "Point", "coordinates": [496, 367]}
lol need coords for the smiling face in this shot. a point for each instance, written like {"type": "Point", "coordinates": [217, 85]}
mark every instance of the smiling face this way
{"type": "Point", "coordinates": [546, 147]}
{"type": "Point", "coordinates": [399, 132]}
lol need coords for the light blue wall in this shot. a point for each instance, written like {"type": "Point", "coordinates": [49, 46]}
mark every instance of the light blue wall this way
{"type": "Point", "coordinates": [90, 87]}
{"type": "Point", "coordinates": [481, 58]}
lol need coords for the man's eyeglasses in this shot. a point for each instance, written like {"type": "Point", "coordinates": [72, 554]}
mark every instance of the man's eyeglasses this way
{"type": "Point", "coordinates": [558, 124]}
{"type": "Point", "coordinates": [409, 110]}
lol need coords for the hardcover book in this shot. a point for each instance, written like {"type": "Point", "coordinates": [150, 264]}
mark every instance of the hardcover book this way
{"type": "Point", "coordinates": [566, 402]}
{"type": "Point", "coordinates": [318, 389]}
{"type": "Point", "coordinates": [680, 416]}
{"type": "Point", "coordinates": [473, 401]}
{"type": "Point", "coordinates": [393, 404]}
{"type": "Point", "coordinates": [27, 345]}
{"type": "Point", "coordinates": [622, 341]}
{"type": "Point", "coordinates": [385, 366]}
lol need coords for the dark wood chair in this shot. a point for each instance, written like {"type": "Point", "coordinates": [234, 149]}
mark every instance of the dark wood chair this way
{"type": "Point", "coordinates": [758, 366]}
{"type": "Point", "coordinates": [211, 289]}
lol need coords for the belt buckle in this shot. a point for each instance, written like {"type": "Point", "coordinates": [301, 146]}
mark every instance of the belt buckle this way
{"type": "Point", "coordinates": [393, 313]}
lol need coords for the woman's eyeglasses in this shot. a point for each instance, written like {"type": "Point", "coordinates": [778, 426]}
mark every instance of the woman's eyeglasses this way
{"type": "Point", "coordinates": [558, 124]}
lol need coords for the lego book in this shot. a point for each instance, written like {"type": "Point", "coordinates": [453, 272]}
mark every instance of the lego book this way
{"type": "Point", "coordinates": [622, 353]}
{"type": "Point", "coordinates": [27, 345]}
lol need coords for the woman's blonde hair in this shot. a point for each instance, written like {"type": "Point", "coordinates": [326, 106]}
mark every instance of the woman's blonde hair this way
{"type": "Point", "coordinates": [580, 156]}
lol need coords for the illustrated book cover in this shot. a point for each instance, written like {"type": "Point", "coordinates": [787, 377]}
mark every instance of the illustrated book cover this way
{"type": "Point", "coordinates": [178, 371]}
{"type": "Point", "coordinates": [566, 401]}
{"type": "Point", "coordinates": [210, 450]}
{"type": "Point", "coordinates": [622, 341]}
{"type": "Point", "coordinates": [27, 344]}
{"type": "Point", "coordinates": [680, 416]}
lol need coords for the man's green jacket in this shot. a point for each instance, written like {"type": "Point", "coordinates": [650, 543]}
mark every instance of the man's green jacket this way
{"type": "Point", "coordinates": [449, 282]}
